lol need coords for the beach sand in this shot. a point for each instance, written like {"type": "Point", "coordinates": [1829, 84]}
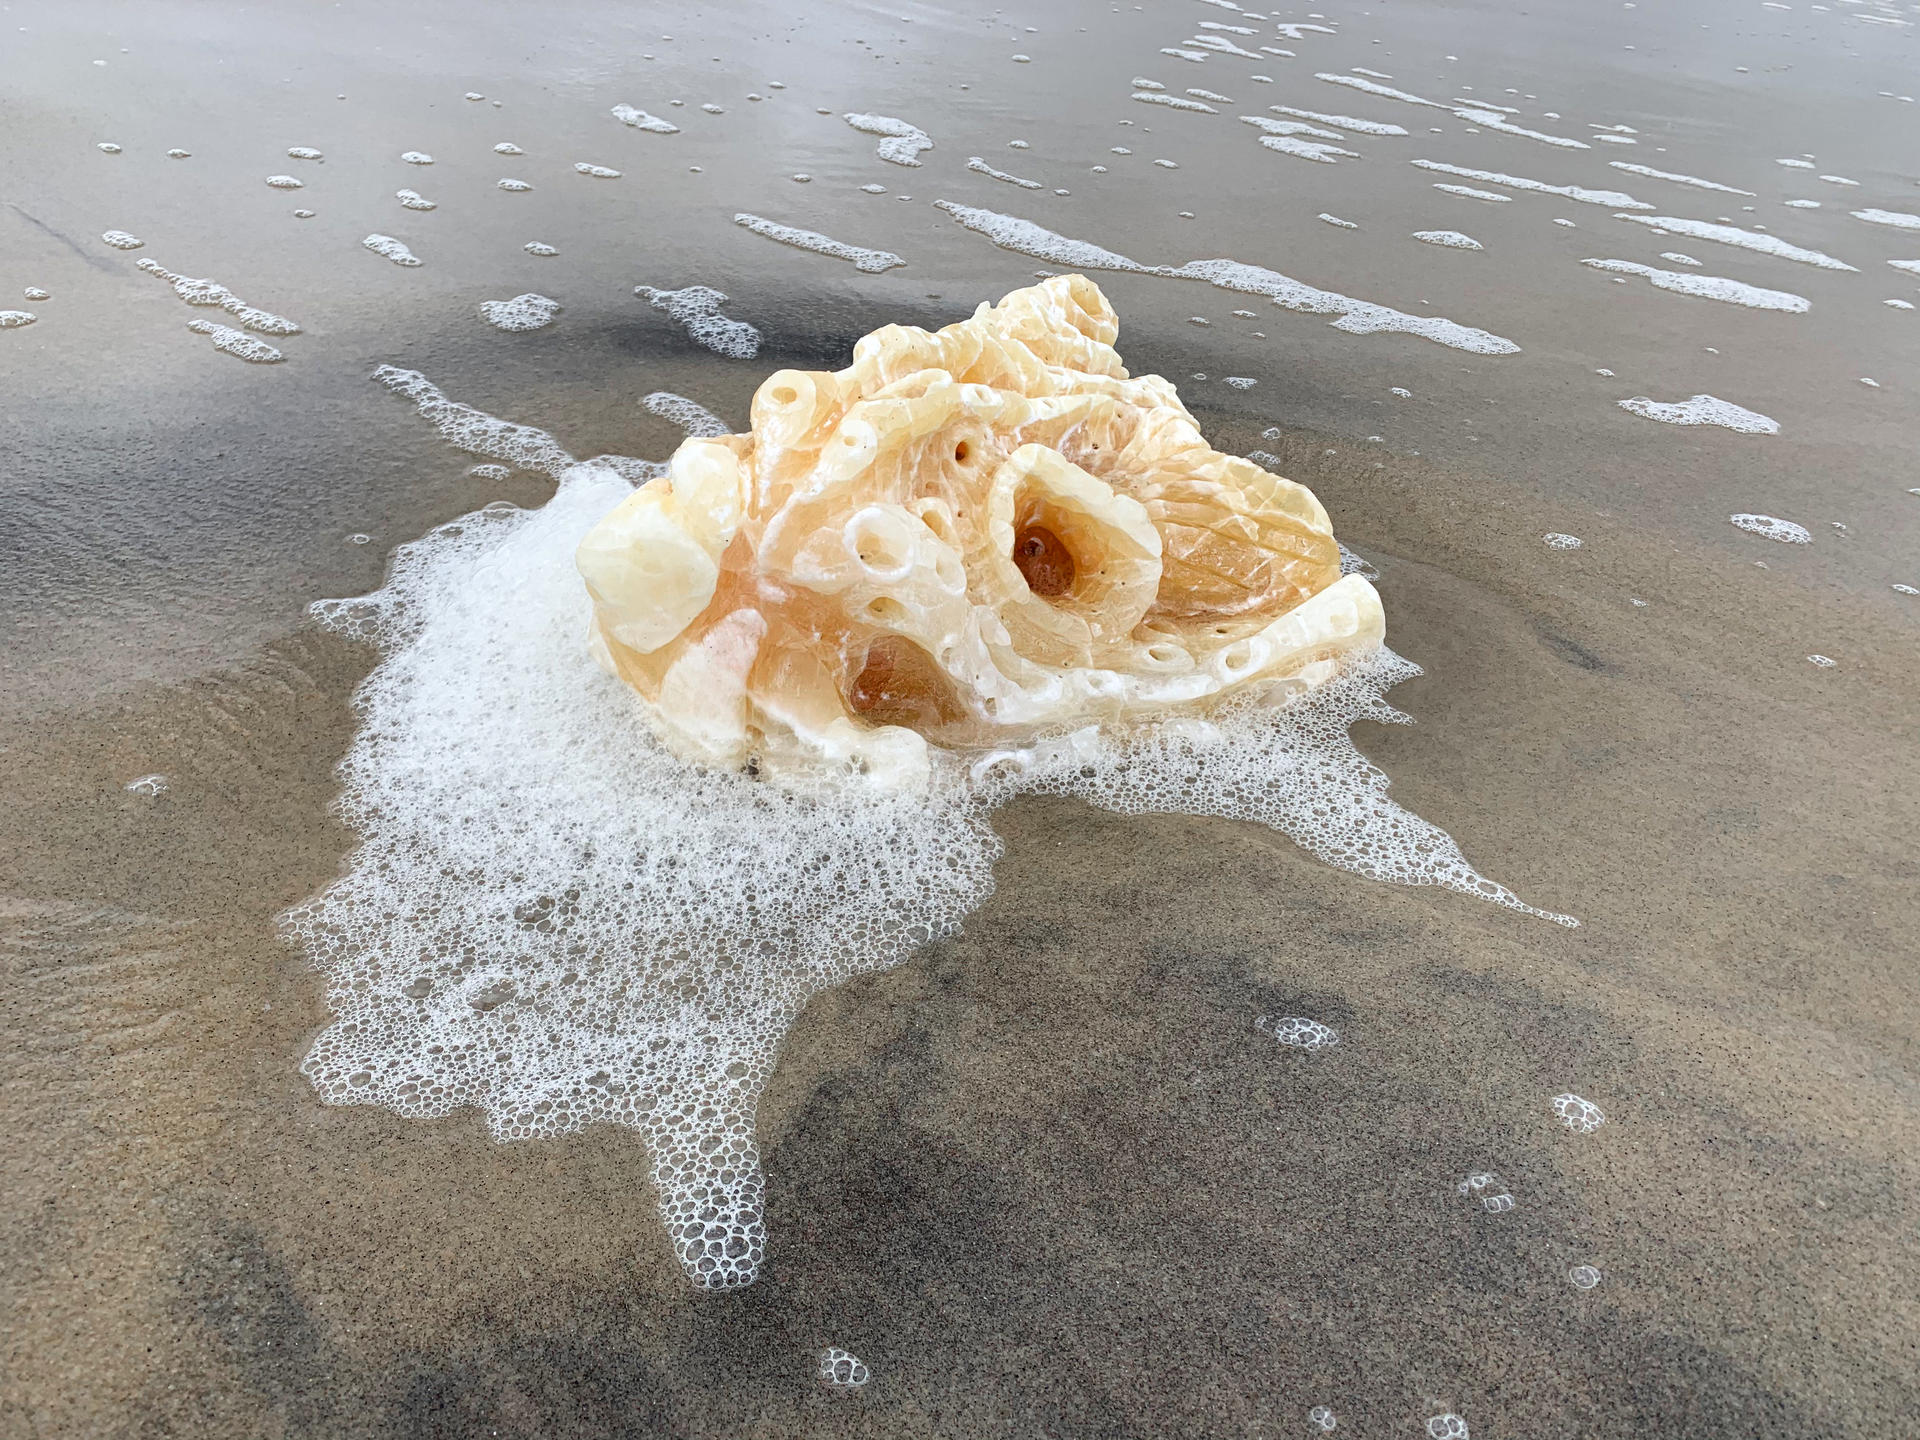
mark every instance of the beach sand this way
{"type": "Point", "coordinates": [1045, 1177]}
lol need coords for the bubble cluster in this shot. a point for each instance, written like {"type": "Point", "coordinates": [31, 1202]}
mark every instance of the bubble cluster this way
{"type": "Point", "coordinates": [1557, 541]}
{"type": "Point", "coordinates": [1584, 1277]}
{"type": "Point", "coordinates": [1297, 1031]}
{"type": "Point", "coordinates": [121, 240]}
{"type": "Point", "coordinates": [1581, 1116]}
{"type": "Point", "coordinates": [522, 312]}
{"type": "Point", "coordinates": [697, 309]}
{"type": "Point", "coordinates": [1447, 1427]}
{"type": "Point", "coordinates": [1489, 1190]}
{"type": "Point", "coordinates": [15, 319]}
{"type": "Point", "coordinates": [843, 1369]}
{"type": "Point", "coordinates": [237, 343]}
{"type": "Point", "coordinates": [1321, 1418]}
{"type": "Point", "coordinates": [1785, 531]}
{"type": "Point", "coordinates": [148, 785]}
{"type": "Point", "coordinates": [392, 249]}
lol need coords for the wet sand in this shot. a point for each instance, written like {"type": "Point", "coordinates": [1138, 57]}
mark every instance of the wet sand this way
{"type": "Point", "coordinates": [1045, 1177]}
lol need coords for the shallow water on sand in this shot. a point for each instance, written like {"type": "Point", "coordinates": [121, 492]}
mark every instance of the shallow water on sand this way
{"type": "Point", "coordinates": [1048, 1176]}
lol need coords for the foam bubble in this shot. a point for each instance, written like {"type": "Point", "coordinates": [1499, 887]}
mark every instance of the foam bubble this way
{"type": "Point", "coordinates": [641, 120]}
{"type": "Point", "coordinates": [34, 292]}
{"type": "Point", "coordinates": [1200, 94]}
{"type": "Point", "coordinates": [1899, 304]}
{"type": "Point", "coordinates": [1584, 1277]}
{"type": "Point", "coordinates": [1743, 239]}
{"type": "Point", "coordinates": [1677, 258]}
{"type": "Point", "coordinates": [1583, 1117]}
{"type": "Point", "coordinates": [1452, 239]}
{"type": "Point", "coordinates": [1356, 317]}
{"type": "Point", "coordinates": [1692, 180]}
{"type": "Point", "coordinates": [1796, 164]}
{"type": "Point", "coordinates": [1489, 1190]}
{"type": "Point", "coordinates": [1297, 1031]}
{"type": "Point", "coordinates": [537, 247]}
{"type": "Point", "coordinates": [1613, 199]}
{"type": "Point", "coordinates": [1173, 102]}
{"type": "Point", "coordinates": [1898, 219]}
{"type": "Point", "coordinates": [1557, 541]}
{"type": "Point", "coordinates": [1342, 122]}
{"type": "Point", "coordinates": [1823, 661]}
{"type": "Point", "coordinates": [598, 172]}
{"type": "Point", "coordinates": [211, 292]}
{"type": "Point", "coordinates": [1447, 1427]}
{"type": "Point", "coordinates": [901, 142]}
{"type": "Point", "coordinates": [522, 312]}
{"type": "Point", "coordinates": [1772, 528]}
{"type": "Point", "coordinates": [392, 249]}
{"type": "Point", "coordinates": [179, 154]}
{"type": "Point", "coordinates": [697, 309]}
{"type": "Point", "coordinates": [870, 262]}
{"type": "Point", "coordinates": [980, 166]}
{"type": "Point", "coordinates": [148, 785]}
{"type": "Point", "coordinates": [237, 343]}
{"type": "Point", "coordinates": [1709, 287]}
{"type": "Point", "coordinates": [1321, 1418]}
{"type": "Point", "coordinates": [1703, 410]}
{"type": "Point", "coordinates": [16, 319]}
{"type": "Point", "coordinates": [1239, 382]}
{"type": "Point", "coordinates": [414, 200]}
{"type": "Point", "coordinates": [843, 1369]}
{"type": "Point", "coordinates": [1469, 193]}
{"type": "Point", "coordinates": [1335, 220]}
{"type": "Point", "coordinates": [488, 472]}
{"type": "Point", "coordinates": [515, 186]}
{"type": "Point", "coordinates": [304, 152]}
{"type": "Point", "coordinates": [121, 240]}
{"type": "Point", "coordinates": [416, 157]}
{"type": "Point", "coordinates": [1316, 150]}
{"type": "Point", "coordinates": [507, 147]}
{"type": "Point", "coordinates": [303, 214]}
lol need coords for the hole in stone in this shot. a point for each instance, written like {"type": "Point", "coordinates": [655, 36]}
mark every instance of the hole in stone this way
{"type": "Point", "coordinates": [1044, 561]}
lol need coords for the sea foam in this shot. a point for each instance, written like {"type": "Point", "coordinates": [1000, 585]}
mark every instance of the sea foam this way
{"type": "Point", "coordinates": [551, 919]}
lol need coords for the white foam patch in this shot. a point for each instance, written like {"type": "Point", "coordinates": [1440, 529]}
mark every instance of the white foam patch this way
{"type": "Point", "coordinates": [284, 182]}
{"type": "Point", "coordinates": [1555, 540]}
{"type": "Point", "coordinates": [1678, 258]}
{"type": "Point", "coordinates": [1140, 83]}
{"type": "Point", "coordinates": [1173, 102]}
{"type": "Point", "coordinates": [1703, 410]}
{"type": "Point", "coordinates": [34, 292]}
{"type": "Point", "coordinates": [507, 147]}
{"type": "Point", "coordinates": [1744, 239]}
{"type": "Point", "coordinates": [522, 312]}
{"type": "Point", "coordinates": [1899, 219]}
{"type": "Point", "coordinates": [1344, 122]}
{"type": "Point", "coordinates": [414, 200]}
{"type": "Point", "coordinates": [1581, 1116]}
{"type": "Point", "coordinates": [1289, 127]}
{"type": "Point", "coordinates": [1308, 149]}
{"type": "Point", "coordinates": [598, 172]}
{"type": "Point", "coordinates": [1297, 1032]}
{"type": "Point", "coordinates": [696, 309]}
{"type": "Point", "coordinates": [121, 240]}
{"type": "Point", "coordinates": [1709, 287]}
{"type": "Point", "coordinates": [1219, 44]}
{"type": "Point", "coordinates": [1473, 113]}
{"type": "Point", "coordinates": [1796, 164]}
{"type": "Point", "coordinates": [1356, 317]}
{"type": "Point", "coordinates": [392, 249]}
{"type": "Point", "coordinates": [900, 143]}
{"type": "Point", "coordinates": [518, 187]}
{"type": "Point", "coordinates": [1198, 57]}
{"type": "Point", "coordinates": [551, 919]}
{"type": "Point", "coordinates": [1452, 239]}
{"type": "Point", "coordinates": [304, 152]}
{"type": "Point", "coordinates": [1335, 220]}
{"type": "Point", "coordinates": [540, 248]}
{"type": "Point", "coordinates": [690, 415]}
{"type": "Point", "coordinates": [843, 1369]}
{"type": "Point", "coordinates": [147, 785]}
{"type": "Point", "coordinates": [211, 292]}
{"type": "Point", "coordinates": [981, 167]}
{"type": "Point", "coordinates": [1469, 193]}
{"type": "Point", "coordinates": [870, 262]}
{"type": "Point", "coordinates": [1773, 528]}
{"type": "Point", "coordinates": [1613, 199]}
{"type": "Point", "coordinates": [641, 120]}
{"type": "Point", "coordinates": [416, 157]}
{"type": "Point", "coordinates": [237, 343]}
{"type": "Point", "coordinates": [1200, 94]}
{"type": "Point", "coordinates": [16, 319]}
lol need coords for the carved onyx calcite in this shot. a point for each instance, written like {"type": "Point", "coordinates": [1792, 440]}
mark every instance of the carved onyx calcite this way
{"type": "Point", "coordinates": [969, 539]}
